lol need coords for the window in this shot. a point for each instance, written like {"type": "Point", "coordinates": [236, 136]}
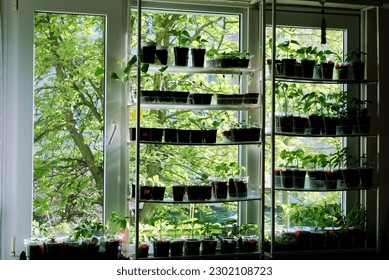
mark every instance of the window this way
{"type": "Point", "coordinates": [33, 17]}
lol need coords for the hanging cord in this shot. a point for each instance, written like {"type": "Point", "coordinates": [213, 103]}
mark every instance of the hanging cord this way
{"type": "Point", "coordinates": [323, 24]}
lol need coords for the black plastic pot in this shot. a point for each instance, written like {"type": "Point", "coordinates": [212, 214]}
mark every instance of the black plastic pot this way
{"type": "Point", "coordinates": [171, 135]}
{"type": "Point", "coordinates": [210, 136]}
{"type": "Point", "coordinates": [251, 98]}
{"type": "Point", "coordinates": [72, 250]}
{"type": "Point", "coordinates": [358, 238]}
{"type": "Point", "coordinates": [143, 250]}
{"type": "Point", "coordinates": [198, 56]}
{"type": "Point", "coordinates": [241, 188]}
{"type": "Point", "coordinates": [287, 179]}
{"type": "Point", "coordinates": [331, 239]}
{"type": "Point", "coordinates": [299, 124]}
{"type": "Point", "coordinates": [316, 124]}
{"type": "Point", "coordinates": [156, 134]}
{"type": "Point", "coordinates": [180, 96]}
{"type": "Point", "coordinates": [149, 96]}
{"type": "Point", "coordinates": [363, 125]}
{"type": "Point", "coordinates": [317, 240]}
{"type": "Point", "coordinates": [316, 178]}
{"type": "Point", "coordinates": [183, 136]}
{"type": "Point", "coordinates": [299, 179]}
{"type": "Point", "coordinates": [232, 191]}
{"type": "Point", "coordinates": [366, 174]}
{"type": "Point", "coordinates": [330, 124]}
{"type": "Point", "coordinates": [307, 68]}
{"type": "Point", "coordinates": [343, 72]}
{"type": "Point", "coordinates": [247, 244]}
{"type": "Point", "coordinates": [53, 250]}
{"type": "Point", "coordinates": [345, 239]}
{"type": "Point", "coordinates": [205, 192]}
{"type": "Point", "coordinates": [358, 70]}
{"type": "Point", "coordinates": [90, 248]}
{"type": "Point", "coordinates": [332, 178]}
{"type": "Point", "coordinates": [351, 177]}
{"type": "Point", "coordinates": [200, 98]}
{"type": "Point", "coordinates": [112, 249]}
{"type": "Point", "coordinates": [148, 52]}
{"type": "Point", "coordinates": [146, 192]}
{"type": "Point", "coordinates": [178, 193]}
{"type": "Point", "coordinates": [192, 247]}
{"type": "Point", "coordinates": [177, 247]}
{"type": "Point", "coordinates": [228, 245]}
{"type": "Point", "coordinates": [303, 239]}
{"type": "Point", "coordinates": [230, 63]}
{"type": "Point", "coordinates": [298, 70]}
{"type": "Point", "coordinates": [288, 67]}
{"type": "Point", "coordinates": [162, 54]}
{"type": "Point", "coordinates": [145, 134]}
{"type": "Point", "coordinates": [327, 70]}
{"type": "Point", "coordinates": [221, 189]}
{"type": "Point", "coordinates": [158, 193]}
{"type": "Point", "coordinates": [181, 56]}
{"type": "Point", "coordinates": [193, 192]}
{"type": "Point", "coordinates": [208, 246]}
{"type": "Point", "coordinates": [245, 134]}
{"type": "Point", "coordinates": [196, 136]}
{"type": "Point", "coordinates": [284, 124]}
{"type": "Point", "coordinates": [161, 248]}
{"type": "Point", "coordinates": [35, 251]}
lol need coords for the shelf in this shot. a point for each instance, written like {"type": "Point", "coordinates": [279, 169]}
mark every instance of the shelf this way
{"type": "Point", "coordinates": [352, 252]}
{"type": "Point", "coordinates": [177, 106]}
{"type": "Point", "coordinates": [216, 256]}
{"type": "Point", "coordinates": [171, 201]}
{"type": "Point", "coordinates": [202, 70]}
{"type": "Point", "coordinates": [323, 81]}
{"type": "Point", "coordinates": [321, 189]}
{"type": "Point", "coordinates": [292, 134]}
{"type": "Point", "coordinates": [197, 144]}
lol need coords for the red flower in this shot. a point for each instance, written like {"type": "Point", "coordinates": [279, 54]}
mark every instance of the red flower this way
{"type": "Point", "coordinates": [144, 246]}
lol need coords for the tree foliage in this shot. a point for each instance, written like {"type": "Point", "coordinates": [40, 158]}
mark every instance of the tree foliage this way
{"type": "Point", "coordinates": [69, 117]}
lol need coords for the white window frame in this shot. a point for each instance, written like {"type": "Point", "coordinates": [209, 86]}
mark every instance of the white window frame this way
{"type": "Point", "coordinates": [17, 176]}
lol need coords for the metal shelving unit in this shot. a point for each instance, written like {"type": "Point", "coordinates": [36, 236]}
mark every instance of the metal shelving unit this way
{"type": "Point", "coordinates": [360, 140]}
{"type": "Point", "coordinates": [138, 105]}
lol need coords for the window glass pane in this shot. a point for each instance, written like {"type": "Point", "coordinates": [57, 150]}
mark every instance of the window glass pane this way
{"type": "Point", "coordinates": [168, 166]}
{"type": "Point", "coordinates": [68, 118]}
{"type": "Point", "coordinates": [299, 209]}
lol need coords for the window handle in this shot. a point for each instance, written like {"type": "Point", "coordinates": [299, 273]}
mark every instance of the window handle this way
{"type": "Point", "coordinates": [115, 127]}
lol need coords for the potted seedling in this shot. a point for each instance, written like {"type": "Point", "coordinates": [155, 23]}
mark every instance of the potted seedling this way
{"type": "Point", "coordinates": [198, 52]}
{"type": "Point", "coordinates": [228, 241]}
{"type": "Point", "coordinates": [300, 123]}
{"type": "Point", "coordinates": [243, 132]}
{"type": "Point", "coordinates": [161, 243]}
{"type": "Point", "coordinates": [362, 117]}
{"type": "Point", "coordinates": [176, 244]}
{"type": "Point", "coordinates": [316, 165]}
{"type": "Point", "coordinates": [209, 241]}
{"type": "Point", "coordinates": [315, 102]}
{"type": "Point", "coordinates": [355, 220]}
{"type": "Point", "coordinates": [325, 68]}
{"type": "Point", "coordinates": [90, 232]}
{"type": "Point", "coordinates": [334, 174]}
{"type": "Point", "coordinates": [283, 119]}
{"type": "Point", "coordinates": [192, 244]}
{"type": "Point", "coordinates": [289, 61]}
{"type": "Point", "coordinates": [148, 51]}
{"type": "Point", "coordinates": [229, 59]}
{"type": "Point", "coordinates": [248, 239]}
{"type": "Point", "coordinates": [357, 65]}
{"type": "Point", "coordinates": [308, 56]}
{"type": "Point", "coordinates": [181, 52]}
{"type": "Point", "coordinates": [366, 172]}
{"type": "Point", "coordinates": [292, 176]}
